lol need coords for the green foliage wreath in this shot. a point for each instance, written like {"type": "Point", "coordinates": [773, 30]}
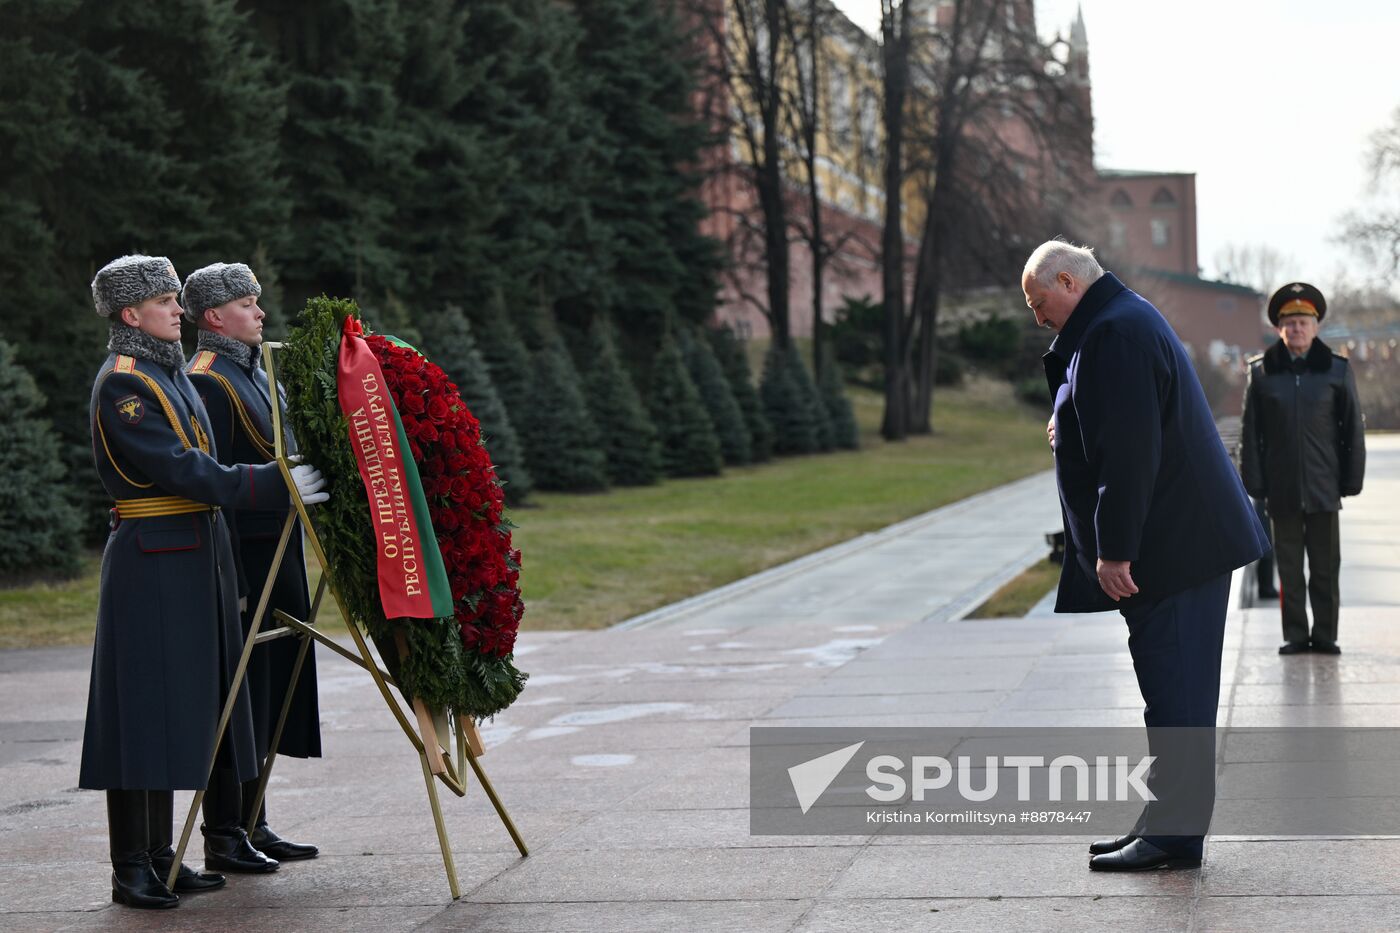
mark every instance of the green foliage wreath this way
{"type": "Point", "coordinates": [436, 667]}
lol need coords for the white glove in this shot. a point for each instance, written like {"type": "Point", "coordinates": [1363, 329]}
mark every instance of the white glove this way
{"type": "Point", "coordinates": [309, 483]}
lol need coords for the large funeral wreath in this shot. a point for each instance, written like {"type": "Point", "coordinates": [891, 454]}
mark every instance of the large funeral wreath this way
{"type": "Point", "coordinates": [463, 662]}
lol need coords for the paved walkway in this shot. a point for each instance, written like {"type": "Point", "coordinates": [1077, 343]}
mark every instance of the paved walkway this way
{"type": "Point", "coordinates": [626, 763]}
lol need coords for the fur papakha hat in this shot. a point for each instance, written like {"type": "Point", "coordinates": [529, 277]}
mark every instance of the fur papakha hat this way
{"type": "Point", "coordinates": [215, 285]}
{"type": "Point", "coordinates": [129, 280]}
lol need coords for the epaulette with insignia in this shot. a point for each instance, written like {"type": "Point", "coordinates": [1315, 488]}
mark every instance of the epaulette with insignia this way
{"type": "Point", "coordinates": [201, 363]}
{"type": "Point", "coordinates": [1251, 360]}
{"type": "Point", "coordinates": [125, 364]}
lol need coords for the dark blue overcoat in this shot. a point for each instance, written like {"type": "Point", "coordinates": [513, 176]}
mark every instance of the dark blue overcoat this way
{"type": "Point", "coordinates": [168, 635]}
{"type": "Point", "coordinates": [1142, 472]}
{"type": "Point", "coordinates": [239, 405]}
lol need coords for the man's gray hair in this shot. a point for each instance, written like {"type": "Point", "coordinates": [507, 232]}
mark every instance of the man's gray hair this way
{"type": "Point", "coordinates": [1055, 256]}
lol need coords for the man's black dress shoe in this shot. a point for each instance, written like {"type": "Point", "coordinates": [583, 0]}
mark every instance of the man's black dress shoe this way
{"type": "Point", "coordinates": [188, 881]}
{"type": "Point", "coordinates": [1104, 846]}
{"type": "Point", "coordinates": [1293, 647]}
{"type": "Point", "coordinates": [1140, 855]}
{"type": "Point", "coordinates": [284, 850]}
{"type": "Point", "coordinates": [228, 849]}
{"type": "Point", "coordinates": [1270, 593]}
{"type": "Point", "coordinates": [1326, 647]}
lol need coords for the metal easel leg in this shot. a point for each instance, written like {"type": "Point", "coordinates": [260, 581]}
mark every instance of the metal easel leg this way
{"type": "Point", "coordinates": [266, 772]}
{"type": "Point", "coordinates": [496, 802]}
{"type": "Point", "coordinates": [447, 863]}
{"type": "Point", "coordinates": [249, 641]}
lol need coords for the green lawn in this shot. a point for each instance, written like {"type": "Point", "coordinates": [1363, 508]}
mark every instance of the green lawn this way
{"type": "Point", "coordinates": [590, 561]}
{"type": "Point", "coordinates": [1019, 597]}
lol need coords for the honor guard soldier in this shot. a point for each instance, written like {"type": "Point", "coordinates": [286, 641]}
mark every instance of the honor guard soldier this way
{"type": "Point", "coordinates": [168, 638]}
{"type": "Point", "coordinates": [222, 299]}
{"type": "Point", "coordinates": [1302, 448]}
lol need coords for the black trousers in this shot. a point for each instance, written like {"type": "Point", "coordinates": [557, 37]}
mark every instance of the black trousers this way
{"type": "Point", "coordinates": [1316, 534]}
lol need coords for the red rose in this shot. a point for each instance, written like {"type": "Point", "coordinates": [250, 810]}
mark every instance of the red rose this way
{"type": "Point", "coordinates": [411, 405]}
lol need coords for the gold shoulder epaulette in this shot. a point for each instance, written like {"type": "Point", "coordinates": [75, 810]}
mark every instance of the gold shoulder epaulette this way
{"type": "Point", "coordinates": [125, 364]}
{"type": "Point", "coordinates": [201, 362]}
{"type": "Point", "coordinates": [1251, 360]}
{"type": "Point", "coordinates": [261, 444]}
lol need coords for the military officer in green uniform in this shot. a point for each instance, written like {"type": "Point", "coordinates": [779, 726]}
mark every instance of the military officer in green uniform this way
{"type": "Point", "coordinates": [1302, 448]}
{"type": "Point", "coordinates": [222, 300]}
{"type": "Point", "coordinates": [168, 638]}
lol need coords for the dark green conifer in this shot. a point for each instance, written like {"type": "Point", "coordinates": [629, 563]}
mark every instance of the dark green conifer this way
{"type": "Point", "coordinates": [38, 523]}
{"type": "Point", "coordinates": [688, 443]}
{"type": "Point", "coordinates": [787, 406]}
{"type": "Point", "coordinates": [735, 361]}
{"type": "Point", "coordinates": [844, 432]}
{"type": "Point", "coordinates": [641, 90]}
{"type": "Point", "coordinates": [807, 388]}
{"type": "Point", "coordinates": [561, 440]}
{"type": "Point", "coordinates": [628, 438]}
{"type": "Point", "coordinates": [448, 341]}
{"type": "Point", "coordinates": [723, 409]}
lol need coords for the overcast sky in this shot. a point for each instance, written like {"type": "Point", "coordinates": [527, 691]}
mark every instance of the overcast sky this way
{"type": "Point", "coordinates": [1269, 102]}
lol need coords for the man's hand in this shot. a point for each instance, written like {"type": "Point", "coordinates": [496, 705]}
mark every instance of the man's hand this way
{"type": "Point", "coordinates": [1050, 431]}
{"type": "Point", "coordinates": [1116, 578]}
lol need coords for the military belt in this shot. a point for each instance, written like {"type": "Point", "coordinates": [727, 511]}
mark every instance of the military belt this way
{"type": "Point", "coordinates": [157, 506]}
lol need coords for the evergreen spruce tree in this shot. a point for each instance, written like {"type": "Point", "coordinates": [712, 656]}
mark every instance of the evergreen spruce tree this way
{"type": "Point", "coordinates": [136, 128]}
{"type": "Point", "coordinates": [787, 406]}
{"type": "Point", "coordinates": [561, 440]}
{"type": "Point", "coordinates": [543, 245]}
{"type": "Point", "coordinates": [507, 359]}
{"type": "Point", "coordinates": [448, 341]}
{"type": "Point", "coordinates": [844, 432]}
{"type": "Point", "coordinates": [807, 388]}
{"type": "Point", "coordinates": [348, 148]}
{"type": "Point", "coordinates": [642, 91]}
{"type": "Point", "coordinates": [724, 411]}
{"type": "Point", "coordinates": [630, 443]}
{"type": "Point", "coordinates": [450, 197]}
{"type": "Point", "coordinates": [38, 524]}
{"type": "Point", "coordinates": [688, 443]}
{"type": "Point", "coordinates": [735, 362]}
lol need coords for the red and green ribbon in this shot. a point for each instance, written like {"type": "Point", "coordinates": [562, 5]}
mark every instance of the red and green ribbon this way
{"type": "Point", "coordinates": [412, 578]}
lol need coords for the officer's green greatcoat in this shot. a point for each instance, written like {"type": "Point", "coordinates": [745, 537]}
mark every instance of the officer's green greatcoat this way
{"type": "Point", "coordinates": [168, 634]}
{"type": "Point", "coordinates": [239, 404]}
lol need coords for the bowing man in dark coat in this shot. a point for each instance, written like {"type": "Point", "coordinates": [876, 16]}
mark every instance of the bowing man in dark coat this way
{"type": "Point", "coordinates": [168, 639]}
{"type": "Point", "coordinates": [1155, 520]}
{"type": "Point", "coordinates": [222, 299]}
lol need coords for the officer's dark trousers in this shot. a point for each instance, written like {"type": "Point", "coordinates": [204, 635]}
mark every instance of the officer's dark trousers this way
{"type": "Point", "coordinates": [1318, 535]}
{"type": "Point", "coordinates": [1176, 643]}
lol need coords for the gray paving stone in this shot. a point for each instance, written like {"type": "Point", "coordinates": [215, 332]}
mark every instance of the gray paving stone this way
{"type": "Point", "coordinates": [758, 916]}
{"type": "Point", "coordinates": [721, 874]}
{"type": "Point", "coordinates": [976, 915]}
{"type": "Point", "coordinates": [1018, 870]}
{"type": "Point", "coordinates": [1323, 913]}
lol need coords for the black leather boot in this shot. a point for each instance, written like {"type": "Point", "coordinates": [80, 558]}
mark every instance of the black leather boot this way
{"type": "Point", "coordinates": [263, 838]}
{"type": "Point", "coordinates": [226, 845]}
{"type": "Point", "coordinates": [160, 807]}
{"type": "Point", "coordinates": [134, 881]}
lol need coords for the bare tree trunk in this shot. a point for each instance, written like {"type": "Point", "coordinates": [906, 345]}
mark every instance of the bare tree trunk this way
{"type": "Point", "coordinates": [894, 30]}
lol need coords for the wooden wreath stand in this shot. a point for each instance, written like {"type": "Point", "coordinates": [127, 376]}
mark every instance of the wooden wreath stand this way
{"type": "Point", "coordinates": [445, 745]}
